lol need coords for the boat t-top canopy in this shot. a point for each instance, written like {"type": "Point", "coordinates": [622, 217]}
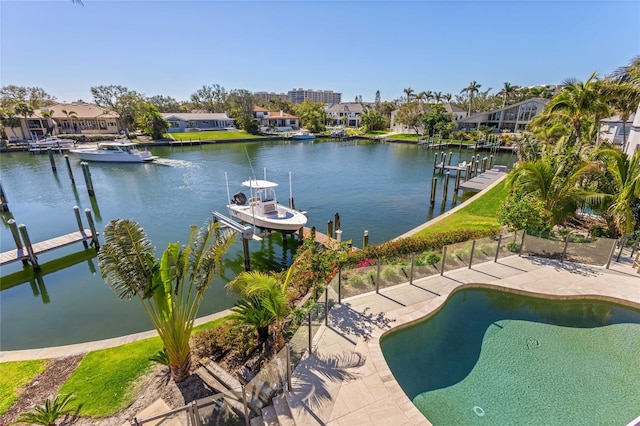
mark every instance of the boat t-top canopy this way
{"type": "Point", "coordinates": [259, 184]}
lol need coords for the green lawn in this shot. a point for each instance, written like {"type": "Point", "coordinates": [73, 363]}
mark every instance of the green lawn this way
{"type": "Point", "coordinates": [14, 376]}
{"type": "Point", "coordinates": [208, 136]}
{"type": "Point", "coordinates": [479, 214]}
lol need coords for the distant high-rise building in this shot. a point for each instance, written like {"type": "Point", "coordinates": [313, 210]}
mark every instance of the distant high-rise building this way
{"type": "Point", "coordinates": [270, 95]}
{"type": "Point", "coordinates": [297, 96]}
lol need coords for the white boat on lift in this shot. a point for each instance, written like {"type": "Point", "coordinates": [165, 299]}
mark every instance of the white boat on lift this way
{"type": "Point", "coordinates": [118, 151]}
{"type": "Point", "coordinates": [52, 142]}
{"type": "Point", "coordinates": [262, 209]}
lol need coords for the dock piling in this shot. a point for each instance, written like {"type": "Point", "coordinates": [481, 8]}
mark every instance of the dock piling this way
{"type": "Point", "coordinates": [457, 184]}
{"type": "Point", "coordinates": [336, 222]}
{"type": "Point", "coordinates": [484, 164]}
{"type": "Point", "coordinates": [434, 183]}
{"type": "Point", "coordinates": [87, 177]}
{"type": "Point", "coordinates": [51, 160]}
{"type": "Point", "coordinates": [450, 157]}
{"type": "Point", "coordinates": [66, 159]}
{"type": "Point", "coordinates": [365, 239]}
{"type": "Point", "coordinates": [76, 211]}
{"type": "Point", "coordinates": [444, 160]}
{"type": "Point", "coordinates": [28, 246]}
{"type": "Point", "coordinates": [445, 188]}
{"type": "Point", "coordinates": [467, 174]}
{"type": "Point", "coordinates": [4, 203]}
{"type": "Point", "coordinates": [94, 235]}
{"type": "Point", "coordinates": [491, 162]}
{"type": "Point", "coordinates": [435, 162]}
{"type": "Point", "coordinates": [330, 228]}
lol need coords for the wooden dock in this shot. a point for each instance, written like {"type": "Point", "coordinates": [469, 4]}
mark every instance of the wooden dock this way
{"type": "Point", "coordinates": [482, 181]}
{"type": "Point", "coordinates": [45, 246]}
{"type": "Point", "coordinates": [442, 166]}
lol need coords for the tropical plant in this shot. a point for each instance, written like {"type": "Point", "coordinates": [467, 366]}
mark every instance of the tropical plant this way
{"type": "Point", "coordinates": [579, 105]}
{"type": "Point", "coordinates": [264, 304]}
{"type": "Point", "coordinates": [9, 120]}
{"type": "Point", "coordinates": [26, 110]}
{"type": "Point", "coordinates": [410, 94]}
{"type": "Point", "coordinates": [618, 187]}
{"type": "Point", "coordinates": [524, 211]}
{"type": "Point", "coordinates": [71, 116]}
{"type": "Point", "coordinates": [150, 121]}
{"type": "Point", "coordinates": [170, 289]}
{"type": "Point", "coordinates": [471, 90]}
{"type": "Point", "coordinates": [507, 92]}
{"type": "Point", "coordinates": [49, 413]}
{"type": "Point", "coordinates": [553, 180]}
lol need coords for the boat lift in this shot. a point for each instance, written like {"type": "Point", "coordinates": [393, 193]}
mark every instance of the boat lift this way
{"type": "Point", "coordinates": [246, 232]}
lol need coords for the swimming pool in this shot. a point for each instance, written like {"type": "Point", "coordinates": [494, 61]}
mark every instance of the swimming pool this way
{"type": "Point", "coordinates": [493, 357]}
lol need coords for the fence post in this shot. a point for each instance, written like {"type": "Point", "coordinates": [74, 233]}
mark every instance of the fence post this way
{"type": "Point", "coordinates": [413, 256]}
{"type": "Point", "coordinates": [444, 258]}
{"type": "Point", "coordinates": [564, 252]}
{"type": "Point", "coordinates": [193, 410]}
{"type": "Point", "coordinates": [635, 245]}
{"type": "Point", "coordinates": [378, 276]}
{"type": "Point", "coordinates": [473, 247]}
{"type": "Point", "coordinates": [310, 334]}
{"type": "Point", "coordinates": [498, 248]}
{"type": "Point", "coordinates": [524, 234]}
{"type": "Point", "coordinates": [288, 348]}
{"type": "Point", "coordinates": [613, 249]}
{"type": "Point", "coordinates": [246, 408]}
{"type": "Point", "coordinates": [340, 285]}
{"type": "Point", "coordinates": [326, 304]}
{"type": "Point", "coordinates": [623, 241]}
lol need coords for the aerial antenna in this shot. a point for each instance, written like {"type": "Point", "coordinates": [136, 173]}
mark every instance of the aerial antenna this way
{"type": "Point", "coordinates": [253, 173]}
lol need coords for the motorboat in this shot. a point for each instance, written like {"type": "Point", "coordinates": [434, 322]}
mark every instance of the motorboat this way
{"type": "Point", "coordinates": [262, 209]}
{"type": "Point", "coordinates": [116, 151]}
{"type": "Point", "coordinates": [52, 142]}
{"type": "Point", "coordinates": [302, 136]}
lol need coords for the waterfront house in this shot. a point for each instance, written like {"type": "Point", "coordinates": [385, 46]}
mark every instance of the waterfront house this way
{"type": "Point", "coordinates": [79, 118]}
{"type": "Point", "coordinates": [511, 118]}
{"type": "Point", "coordinates": [345, 113]}
{"type": "Point", "coordinates": [275, 121]}
{"type": "Point", "coordinates": [196, 121]}
{"type": "Point", "coordinates": [614, 131]}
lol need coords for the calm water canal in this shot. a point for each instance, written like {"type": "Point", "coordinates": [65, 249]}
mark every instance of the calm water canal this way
{"type": "Point", "coordinates": [383, 188]}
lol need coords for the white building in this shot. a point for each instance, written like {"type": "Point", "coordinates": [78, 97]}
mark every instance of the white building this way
{"type": "Point", "coordinates": [511, 118]}
{"type": "Point", "coordinates": [346, 113]}
{"type": "Point", "coordinates": [298, 96]}
{"type": "Point", "coordinates": [195, 122]}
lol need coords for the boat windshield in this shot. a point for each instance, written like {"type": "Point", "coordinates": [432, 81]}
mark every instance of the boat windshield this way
{"type": "Point", "coordinates": [267, 194]}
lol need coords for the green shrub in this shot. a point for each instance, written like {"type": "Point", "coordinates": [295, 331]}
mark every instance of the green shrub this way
{"type": "Point", "coordinates": [389, 273]}
{"type": "Point", "coordinates": [433, 258]}
{"type": "Point", "coordinates": [219, 341]}
{"type": "Point", "coordinates": [513, 247]}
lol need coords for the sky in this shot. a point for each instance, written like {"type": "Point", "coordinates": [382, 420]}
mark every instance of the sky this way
{"type": "Point", "coordinates": [174, 48]}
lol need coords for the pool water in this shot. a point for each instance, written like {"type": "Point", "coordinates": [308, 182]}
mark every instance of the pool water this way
{"type": "Point", "coordinates": [490, 357]}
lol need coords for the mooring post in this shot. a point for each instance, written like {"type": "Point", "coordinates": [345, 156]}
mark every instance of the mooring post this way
{"type": "Point", "coordinates": [330, 228]}
{"type": "Point", "coordinates": [434, 183]}
{"type": "Point", "coordinates": [435, 162]}
{"type": "Point", "coordinates": [467, 174]}
{"type": "Point", "coordinates": [27, 244]}
{"type": "Point", "coordinates": [51, 160]}
{"type": "Point", "coordinates": [476, 167]}
{"type": "Point", "coordinates": [491, 162]}
{"type": "Point", "coordinates": [445, 189]}
{"type": "Point", "coordinates": [87, 177]}
{"type": "Point", "coordinates": [4, 203]}
{"type": "Point", "coordinates": [94, 235]}
{"type": "Point", "coordinates": [450, 157]}
{"type": "Point", "coordinates": [336, 222]}
{"type": "Point", "coordinates": [444, 161]}
{"type": "Point", "coordinates": [365, 239]}
{"type": "Point", "coordinates": [484, 164]}
{"type": "Point", "coordinates": [457, 184]}
{"type": "Point", "coordinates": [76, 211]}
{"type": "Point", "coordinates": [66, 160]}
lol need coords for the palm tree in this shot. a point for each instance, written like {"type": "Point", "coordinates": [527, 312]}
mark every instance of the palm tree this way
{"type": "Point", "coordinates": [630, 74]}
{"type": "Point", "coordinates": [264, 304]}
{"type": "Point", "coordinates": [553, 180]}
{"type": "Point", "coordinates": [507, 92]}
{"type": "Point", "coordinates": [410, 93]}
{"type": "Point", "coordinates": [437, 96]}
{"type": "Point", "coordinates": [71, 116]}
{"type": "Point", "coordinates": [447, 97]}
{"type": "Point", "coordinates": [26, 110]}
{"type": "Point", "coordinates": [49, 413]}
{"type": "Point", "coordinates": [51, 124]}
{"type": "Point", "coordinates": [471, 90]}
{"type": "Point", "coordinates": [618, 180]}
{"type": "Point", "coordinates": [170, 289]}
{"type": "Point", "coordinates": [577, 105]}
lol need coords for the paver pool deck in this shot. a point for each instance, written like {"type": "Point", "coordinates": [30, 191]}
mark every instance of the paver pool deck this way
{"type": "Point", "coordinates": [346, 380]}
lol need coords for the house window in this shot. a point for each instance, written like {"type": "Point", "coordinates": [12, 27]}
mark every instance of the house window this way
{"type": "Point", "coordinates": [103, 125]}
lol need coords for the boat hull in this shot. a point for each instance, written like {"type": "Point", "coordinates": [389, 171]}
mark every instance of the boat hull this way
{"type": "Point", "coordinates": [284, 220]}
{"type": "Point", "coordinates": [111, 157]}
